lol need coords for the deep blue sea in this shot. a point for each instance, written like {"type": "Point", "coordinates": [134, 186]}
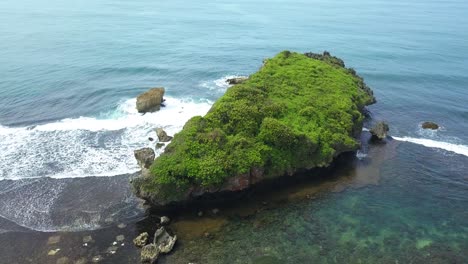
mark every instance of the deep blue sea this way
{"type": "Point", "coordinates": [70, 72]}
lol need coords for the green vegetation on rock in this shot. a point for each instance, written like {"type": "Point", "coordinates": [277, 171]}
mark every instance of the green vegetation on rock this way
{"type": "Point", "coordinates": [299, 111]}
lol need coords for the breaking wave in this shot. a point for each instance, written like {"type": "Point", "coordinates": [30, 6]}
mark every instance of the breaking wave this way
{"type": "Point", "coordinates": [89, 146]}
{"type": "Point", "coordinates": [218, 85]}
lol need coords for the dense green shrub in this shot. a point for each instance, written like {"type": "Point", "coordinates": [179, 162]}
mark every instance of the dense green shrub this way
{"type": "Point", "coordinates": [298, 111]}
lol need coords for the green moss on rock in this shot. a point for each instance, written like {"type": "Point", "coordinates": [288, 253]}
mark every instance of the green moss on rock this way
{"type": "Point", "coordinates": [297, 112]}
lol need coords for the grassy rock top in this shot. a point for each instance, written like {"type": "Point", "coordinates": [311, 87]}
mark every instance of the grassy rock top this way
{"type": "Point", "coordinates": [298, 111]}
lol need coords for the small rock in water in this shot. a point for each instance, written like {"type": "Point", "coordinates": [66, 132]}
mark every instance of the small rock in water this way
{"type": "Point", "coordinates": [151, 100]}
{"type": "Point", "coordinates": [121, 225]}
{"type": "Point", "coordinates": [215, 211]}
{"type": "Point", "coordinates": [200, 213]}
{"type": "Point", "coordinates": [165, 220]}
{"type": "Point", "coordinates": [149, 254]}
{"type": "Point", "coordinates": [53, 252]}
{"type": "Point", "coordinates": [162, 135]}
{"type": "Point", "coordinates": [114, 243]}
{"type": "Point", "coordinates": [430, 125]}
{"type": "Point", "coordinates": [112, 249]}
{"type": "Point", "coordinates": [141, 240]}
{"type": "Point", "coordinates": [88, 239]}
{"type": "Point", "coordinates": [379, 131]}
{"type": "Point", "coordinates": [151, 139]}
{"type": "Point", "coordinates": [53, 240]}
{"type": "Point", "coordinates": [120, 238]}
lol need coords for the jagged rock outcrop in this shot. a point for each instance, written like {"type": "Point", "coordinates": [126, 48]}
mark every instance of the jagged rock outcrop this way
{"type": "Point", "coordinates": [145, 157]}
{"type": "Point", "coordinates": [162, 135]}
{"type": "Point", "coordinates": [164, 241]}
{"type": "Point", "coordinates": [298, 112]}
{"type": "Point", "coordinates": [150, 101]}
{"type": "Point", "coordinates": [380, 131]}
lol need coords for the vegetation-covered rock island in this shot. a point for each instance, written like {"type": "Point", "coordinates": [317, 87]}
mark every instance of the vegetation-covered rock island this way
{"type": "Point", "coordinates": [298, 112]}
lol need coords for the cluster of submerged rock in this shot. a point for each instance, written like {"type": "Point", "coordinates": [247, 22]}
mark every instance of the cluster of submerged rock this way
{"type": "Point", "coordinates": [162, 243]}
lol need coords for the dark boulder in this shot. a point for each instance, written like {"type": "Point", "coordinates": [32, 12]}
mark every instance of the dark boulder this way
{"type": "Point", "coordinates": [379, 131]}
{"type": "Point", "coordinates": [430, 125]}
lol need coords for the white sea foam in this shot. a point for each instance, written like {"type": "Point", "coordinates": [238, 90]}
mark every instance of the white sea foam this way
{"type": "Point", "coordinates": [361, 155]}
{"type": "Point", "coordinates": [456, 148]}
{"type": "Point", "coordinates": [220, 84]}
{"type": "Point", "coordinates": [88, 146]}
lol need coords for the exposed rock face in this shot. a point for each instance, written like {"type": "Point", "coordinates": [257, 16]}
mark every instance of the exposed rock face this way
{"type": "Point", "coordinates": [162, 135]}
{"type": "Point", "coordinates": [166, 194]}
{"type": "Point", "coordinates": [164, 241]}
{"type": "Point", "coordinates": [141, 240]}
{"type": "Point", "coordinates": [149, 254]}
{"type": "Point", "coordinates": [145, 157]}
{"type": "Point", "coordinates": [430, 125]}
{"type": "Point", "coordinates": [379, 131]}
{"type": "Point", "coordinates": [150, 100]}
{"type": "Point", "coordinates": [237, 80]}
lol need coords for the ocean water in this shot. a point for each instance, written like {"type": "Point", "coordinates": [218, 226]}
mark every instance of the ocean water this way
{"type": "Point", "coordinates": [70, 72]}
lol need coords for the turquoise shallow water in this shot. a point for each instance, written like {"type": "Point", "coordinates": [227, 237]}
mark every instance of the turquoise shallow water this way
{"type": "Point", "coordinates": [69, 73]}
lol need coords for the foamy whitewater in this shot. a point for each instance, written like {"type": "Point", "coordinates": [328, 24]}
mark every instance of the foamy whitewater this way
{"type": "Point", "coordinates": [90, 146]}
{"type": "Point", "coordinates": [456, 148]}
